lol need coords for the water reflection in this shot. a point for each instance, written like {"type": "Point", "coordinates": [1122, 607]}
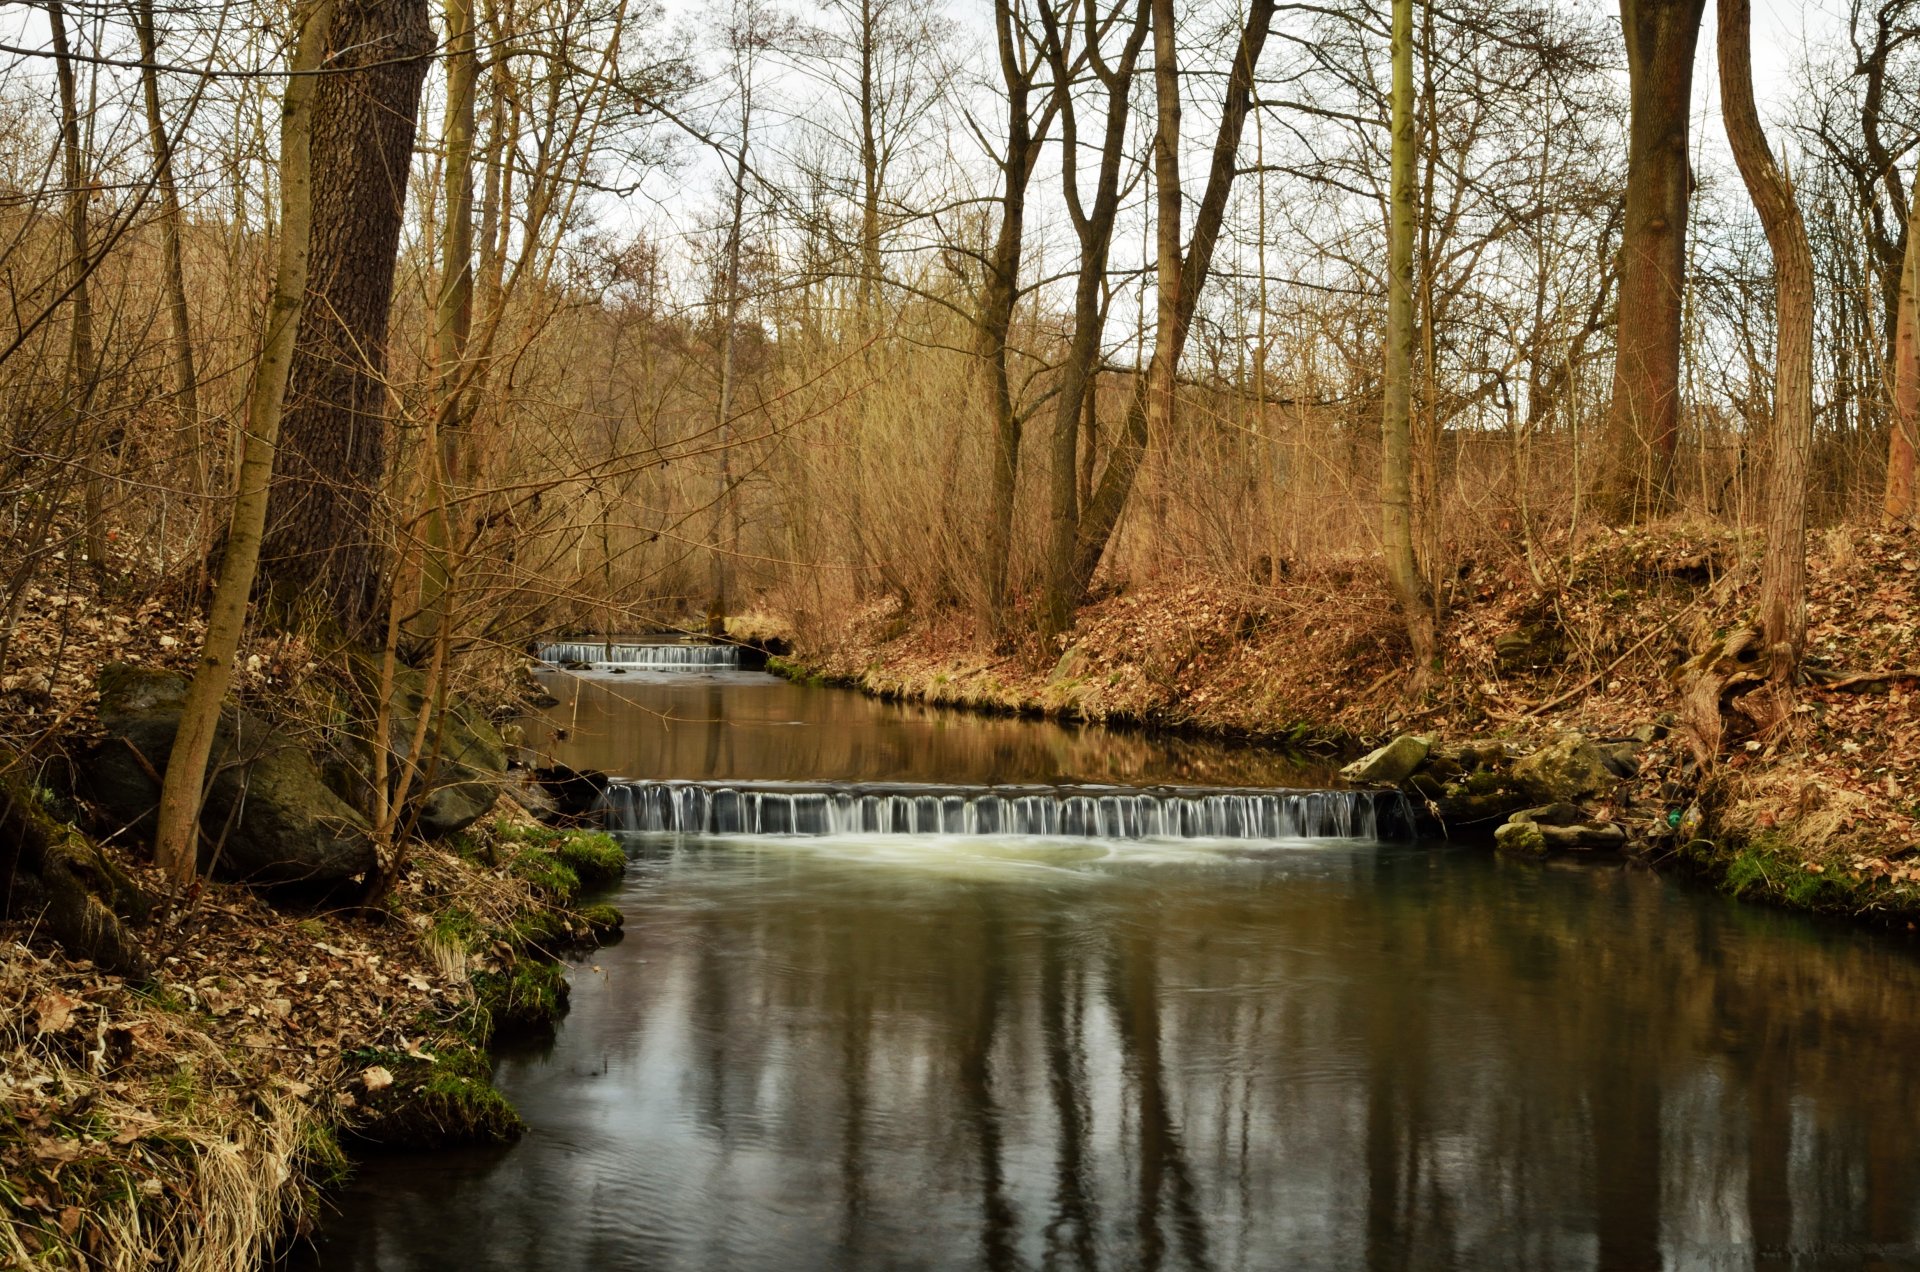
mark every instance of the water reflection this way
{"type": "Point", "coordinates": [832, 1056]}
{"type": "Point", "coordinates": [749, 726]}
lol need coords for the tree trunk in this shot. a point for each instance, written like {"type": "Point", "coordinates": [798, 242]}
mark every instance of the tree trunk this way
{"type": "Point", "coordinates": [1783, 578]}
{"type": "Point", "coordinates": [1396, 424]}
{"type": "Point", "coordinates": [186, 380]}
{"type": "Point", "coordinates": [445, 448]}
{"type": "Point", "coordinates": [1643, 423]}
{"type": "Point", "coordinates": [176, 837]}
{"type": "Point", "coordinates": [993, 324]}
{"type": "Point", "coordinates": [1074, 411]}
{"type": "Point", "coordinates": [1102, 513]}
{"type": "Point", "coordinates": [82, 369]}
{"type": "Point", "coordinates": [723, 497]}
{"type": "Point", "coordinates": [1903, 434]}
{"type": "Point", "coordinates": [321, 555]}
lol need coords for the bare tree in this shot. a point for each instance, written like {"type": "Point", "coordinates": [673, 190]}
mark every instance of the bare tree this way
{"type": "Point", "coordinates": [1783, 579]}
{"type": "Point", "coordinates": [1396, 423]}
{"type": "Point", "coordinates": [1643, 423]}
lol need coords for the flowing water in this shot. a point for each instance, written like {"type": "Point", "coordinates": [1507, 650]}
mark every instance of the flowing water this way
{"type": "Point", "coordinates": [894, 1040]}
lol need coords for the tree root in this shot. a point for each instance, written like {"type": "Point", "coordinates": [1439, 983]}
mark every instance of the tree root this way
{"type": "Point", "coordinates": [52, 874]}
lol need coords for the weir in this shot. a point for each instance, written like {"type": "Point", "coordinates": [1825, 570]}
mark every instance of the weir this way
{"type": "Point", "coordinates": [818, 808]}
{"type": "Point", "coordinates": [642, 654]}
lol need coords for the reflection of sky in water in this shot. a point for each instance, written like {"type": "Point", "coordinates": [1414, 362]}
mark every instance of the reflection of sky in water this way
{"type": "Point", "coordinates": [997, 1052]}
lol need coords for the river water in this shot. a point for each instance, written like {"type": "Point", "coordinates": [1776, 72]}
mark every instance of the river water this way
{"type": "Point", "coordinates": [995, 1051]}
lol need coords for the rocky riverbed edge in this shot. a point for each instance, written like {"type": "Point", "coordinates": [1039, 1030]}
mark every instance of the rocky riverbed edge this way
{"type": "Point", "coordinates": [1625, 798]}
{"type": "Point", "coordinates": [1589, 709]}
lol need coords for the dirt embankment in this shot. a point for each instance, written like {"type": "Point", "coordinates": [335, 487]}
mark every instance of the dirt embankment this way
{"type": "Point", "coordinates": [1598, 637]}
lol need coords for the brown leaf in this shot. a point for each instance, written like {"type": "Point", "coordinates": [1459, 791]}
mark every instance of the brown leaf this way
{"type": "Point", "coordinates": [53, 1011]}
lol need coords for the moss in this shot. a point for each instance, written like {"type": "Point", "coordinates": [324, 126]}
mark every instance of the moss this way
{"type": "Point", "coordinates": [593, 856]}
{"type": "Point", "coordinates": [528, 998]}
{"type": "Point", "coordinates": [547, 873]}
{"type": "Point", "coordinates": [603, 921]}
{"type": "Point", "coordinates": [1767, 868]}
{"type": "Point", "coordinates": [456, 927]}
{"type": "Point", "coordinates": [437, 1103]}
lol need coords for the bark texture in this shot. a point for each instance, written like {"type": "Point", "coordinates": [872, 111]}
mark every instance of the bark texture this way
{"type": "Point", "coordinates": [1396, 423]}
{"type": "Point", "coordinates": [1783, 579]}
{"type": "Point", "coordinates": [1903, 436]}
{"type": "Point", "coordinates": [1643, 422]}
{"type": "Point", "coordinates": [993, 322]}
{"type": "Point", "coordinates": [321, 557]}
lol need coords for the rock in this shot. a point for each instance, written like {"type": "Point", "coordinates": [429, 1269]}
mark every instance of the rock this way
{"type": "Point", "coordinates": [1391, 764]}
{"type": "Point", "coordinates": [1535, 645]}
{"type": "Point", "coordinates": [1521, 839]}
{"type": "Point", "coordinates": [1474, 756]}
{"type": "Point", "coordinates": [1621, 758]}
{"type": "Point", "coordinates": [574, 794]}
{"type": "Point", "coordinates": [1558, 828]}
{"type": "Point", "coordinates": [1568, 769]}
{"type": "Point", "coordinates": [269, 809]}
{"type": "Point", "coordinates": [464, 758]}
{"type": "Point", "coordinates": [1552, 815]}
{"type": "Point", "coordinates": [1585, 837]}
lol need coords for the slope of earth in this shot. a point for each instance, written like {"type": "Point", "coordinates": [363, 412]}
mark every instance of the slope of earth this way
{"type": "Point", "coordinates": [1598, 636]}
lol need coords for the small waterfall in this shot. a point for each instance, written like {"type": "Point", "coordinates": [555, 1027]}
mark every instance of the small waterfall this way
{"type": "Point", "coordinates": [785, 808]}
{"type": "Point", "coordinates": [656, 654]}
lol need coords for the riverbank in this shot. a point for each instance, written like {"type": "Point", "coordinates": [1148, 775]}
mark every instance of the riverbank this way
{"type": "Point", "coordinates": [193, 1119]}
{"type": "Point", "coordinates": [1598, 637]}
{"type": "Point", "coordinates": [184, 1098]}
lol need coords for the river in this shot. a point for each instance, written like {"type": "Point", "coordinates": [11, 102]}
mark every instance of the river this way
{"type": "Point", "coordinates": [976, 1049]}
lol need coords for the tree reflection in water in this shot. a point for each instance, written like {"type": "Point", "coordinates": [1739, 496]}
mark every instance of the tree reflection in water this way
{"type": "Point", "coordinates": [989, 1056]}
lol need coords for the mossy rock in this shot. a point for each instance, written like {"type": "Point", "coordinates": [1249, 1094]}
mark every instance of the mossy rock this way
{"type": "Point", "coordinates": [1391, 764]}
{"type": "Point", "coordinates": [433, 1104]}
{"type": "Point", "coordinates": [269, 809]}
{"type": "Point", "coordinates": [595, 858]}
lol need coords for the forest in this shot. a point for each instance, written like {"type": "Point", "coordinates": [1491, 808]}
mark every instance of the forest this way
{"type": "Point", "coordinates": [1371, 383]}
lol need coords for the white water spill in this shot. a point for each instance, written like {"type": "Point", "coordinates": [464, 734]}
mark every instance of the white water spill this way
{"type": "Point", "coordinates": [1105, 813]}
{"type": "Point", "coordinates": [653, 654]}
{"type": "Point", "coordinates": [989, 858]}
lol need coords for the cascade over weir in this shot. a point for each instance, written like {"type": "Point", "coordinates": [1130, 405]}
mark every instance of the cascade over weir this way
{"type": "Point", "coordinates": [1106, 812]}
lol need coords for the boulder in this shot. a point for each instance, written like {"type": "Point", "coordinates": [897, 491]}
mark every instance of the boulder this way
{"type": "Point", "coordinates": [268, 810]}
{"type": "Point", "coordinates": [1521, 839]}
{"type": "Point", "coordinates": [1565, 770]}
{"type": "Point", "coordinates": [1391, 764]}
{"type": "Point", "coordinates": [1558, 828]}
{"type": "Point", "coordinates": [463, 758]}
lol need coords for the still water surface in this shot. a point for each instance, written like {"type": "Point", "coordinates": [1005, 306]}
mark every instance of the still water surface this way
{"type": "Point", "coordinates": [980, 1052]}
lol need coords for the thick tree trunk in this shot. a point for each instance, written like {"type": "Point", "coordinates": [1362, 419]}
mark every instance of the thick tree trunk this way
{"type": "Point", "coordinates": [1783, 579]}
{"type": "Point", "coordinates": [1903, 433]}
{"type": "Point", "coordinates": [1396, 425]}
{"type": "Point", "coordinates": [1643, 423]}
{"type": "Point", "coordinates": [321, 556]}
{"type": "Point", "coordinates": [176, 836]}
